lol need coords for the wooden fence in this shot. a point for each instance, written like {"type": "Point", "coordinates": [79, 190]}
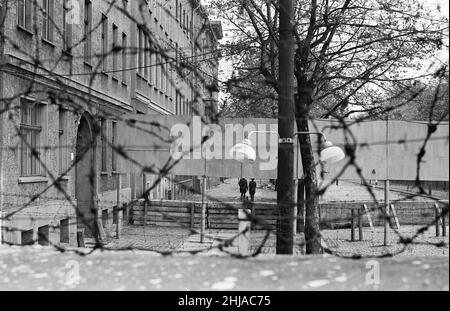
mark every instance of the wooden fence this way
{"type": "Point", "coordinates": [222, 215]}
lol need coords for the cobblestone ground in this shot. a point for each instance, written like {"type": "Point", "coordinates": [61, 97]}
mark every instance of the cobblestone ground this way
{"type": "Point", "coordinates": [160, 239]}
{"type": "Point", "coordinates": [166, 239]}
{"type": "Point", "coordinates": [340, 242]}
{"type": "Point", "coordinates": [178, 239]}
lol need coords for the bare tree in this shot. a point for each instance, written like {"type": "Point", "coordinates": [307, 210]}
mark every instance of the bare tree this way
{"type": "Point", "coordinates": [347, 53]}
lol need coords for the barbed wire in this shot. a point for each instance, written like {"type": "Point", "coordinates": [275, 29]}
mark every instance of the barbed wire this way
{"type": "Point", "coordinates": [56, 180]}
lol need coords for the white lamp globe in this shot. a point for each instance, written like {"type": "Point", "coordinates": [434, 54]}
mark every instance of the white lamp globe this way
{"type": "Point", "coordinates": [331, 153]}
{"type": "Point", "coordinates": [243, 151]}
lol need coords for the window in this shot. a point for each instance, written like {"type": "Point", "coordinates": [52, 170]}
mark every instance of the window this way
{"type": "Point", "coordinates": [64, 235]}
{"type": "Point", "coordinates": [159, 10]}
{"type": "Point", "coordinates": [114, 47]}
{"type": "Point", "coordinates": [153, 66]}
{"type": "Point", "coordinates": [181, 104]}
{"type": "Point", "coordinates": [177, 56]}
{"type": "Point", "coordinates": [27, 237]}
{"type": "Point", "coordinates": [161, 73]}
{"type": "Point", "coordinates": [103, 145]}
{"type": "Point", "coordinates": [30, 130]}
{"type": "Point", "coordinates": [151, 8]}
{"type": "Point", "coordinates": [113, 144]}
{"type": "Point", "coordinates": [204, 48]}
{"type": "Point", "coordinates": [157, 71]}
{"type": "Point", "coordinates": [62, 141]}
{"type": "Point", "coordinates": [105, 42]}
{"type": "Point", "coordinates": [146, 57]}
{"type": "Point", "coordinates": [163, 17]}
{"type": "Point", "coordinates": [24, 13]}
{"type": "Point", "coordinates": [67, 26]}
{"type": "Point", "coordinates": [168, 79]}
{"type": "Point", "coordinates": [44, 235]}
{"type": "Point", "coordinates": [124, 58]}
{"type": "Point", "coordinates": [47, 22]}
{"type": "Point", "coordinates": [176, 10]}
{"type": "Point", "coordinates": [203, 84]}
{"type": "Point", "coordinates": [187, 24]}
{"type": "Point", "coordinates": [177, 110]}
{"type": "Point", "coordinates": [140, 51]}
{"type": "Point", "coordinates": [164, 74]}
{"type": "Point", "coordinates": [150, 61]}
{"type": "Point", "coordinates": [87, 30]}
{"type": "Point", "coordinates": [184, 66]}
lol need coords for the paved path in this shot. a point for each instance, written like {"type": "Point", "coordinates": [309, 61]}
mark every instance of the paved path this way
{"type": "Point", "coordinates": [181, 239]}
{"type": "Point", "coordinates": [170, 239]}
{"type": "Point", "coordinates": [229, 192]}
{"type": "Point", "coordinates": [344, 191]}
{"type": "Point", "coordinates": [37, 268]}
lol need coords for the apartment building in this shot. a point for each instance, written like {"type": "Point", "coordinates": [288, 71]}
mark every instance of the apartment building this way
{"type": "Point", "coordinates": [177, 69]}
{"type": "Point", "coordinates": [68, 71]}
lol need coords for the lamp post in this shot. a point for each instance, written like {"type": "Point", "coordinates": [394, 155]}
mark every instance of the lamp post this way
{"type": "Point", "coordinates": [203, 212]}
{"type": "Point", "coordinates": [328, 154]}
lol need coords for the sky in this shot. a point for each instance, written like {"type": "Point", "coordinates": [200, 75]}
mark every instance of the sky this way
{"type": "Point", "coordinates": [444, 4]}
{"type": "Point", "coordinates": [440, 56]}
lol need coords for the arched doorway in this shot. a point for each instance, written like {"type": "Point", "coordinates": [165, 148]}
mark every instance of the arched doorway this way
{"type": "Point", "coordinates": [86, 177]}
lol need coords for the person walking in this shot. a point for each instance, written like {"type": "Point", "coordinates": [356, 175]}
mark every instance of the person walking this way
{"type": "Point", "coordinates": [252, 189]}
{"type": "Point", "coordinates": [243, 187]}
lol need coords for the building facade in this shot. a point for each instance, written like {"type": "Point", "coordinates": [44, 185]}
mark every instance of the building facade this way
{"type": "Point", "coordinates": [68, 71]}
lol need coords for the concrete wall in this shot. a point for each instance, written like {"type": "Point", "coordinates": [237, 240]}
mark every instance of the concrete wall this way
{"type": "Point", "coordinates": [50, 213]}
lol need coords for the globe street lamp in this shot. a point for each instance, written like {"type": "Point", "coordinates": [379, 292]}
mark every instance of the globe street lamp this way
{"type": "Point", "coordinates": [329, 153]}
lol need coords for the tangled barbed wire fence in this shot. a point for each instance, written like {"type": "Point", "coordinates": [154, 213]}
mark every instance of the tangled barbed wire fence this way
{"type": "Point", "coordinates": [76, 100]}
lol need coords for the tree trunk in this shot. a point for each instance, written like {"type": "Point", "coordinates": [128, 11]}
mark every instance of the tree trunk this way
{"type": "Point", "coordinates": [312, 230]}
{"type": "Point", "coordinates": [286, 108]}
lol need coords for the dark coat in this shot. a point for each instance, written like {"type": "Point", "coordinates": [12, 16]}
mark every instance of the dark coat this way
{"type": "Point", "coordinates": [252, 186]}
{"type": "Point", "coordinates": [243, 186]}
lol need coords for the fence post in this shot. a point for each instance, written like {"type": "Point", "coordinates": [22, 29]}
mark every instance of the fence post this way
{"type": "Point", "coordinates": [437, 218]}
{"type": "Point", "coordinates": [444, 226]}
{"type": "Point", "coordinates": [366, 209]}
{"type": "Point", "coordinates": [119, 209]}
{"type": "Point", "coordinates": [360, 224]}
{"type": "Point", "coordinates": [244, 231]}
{"type": "Point", "coordinates": [352, 221]}
{"type": "Point", "coordinates": [144, 219]}
{"type": "Point", "coordinates": [192, 215]}
{"type": "Point", "coordinates": [394, 214]}
{"type": "Point", "coordinates": [125, 213]}
{"type": "Point", "coordinates": [386, 217]}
